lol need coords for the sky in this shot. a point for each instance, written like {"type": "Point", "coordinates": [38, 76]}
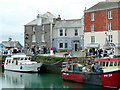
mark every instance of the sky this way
{"type": "Point", "coordinates": [16, 13]}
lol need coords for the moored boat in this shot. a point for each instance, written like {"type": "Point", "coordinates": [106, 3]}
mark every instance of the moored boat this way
{"type": "Point", "coordinates": [107, 75]}
{"type": "Point", "coordinates": [21, 63]}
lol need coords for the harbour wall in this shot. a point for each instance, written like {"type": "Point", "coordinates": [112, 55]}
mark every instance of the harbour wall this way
{"type": "Point", "coordinates": [50, 64]}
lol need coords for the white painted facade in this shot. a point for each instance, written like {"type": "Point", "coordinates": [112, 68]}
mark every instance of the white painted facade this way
{"type": "Point", "coordinates": [100, 38]}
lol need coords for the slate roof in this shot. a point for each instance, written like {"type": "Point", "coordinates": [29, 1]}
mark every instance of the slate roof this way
{"type": "Point", "coordinates": [12, 44]}
{"type": "Point", "coordinates": [68, 23]}
{"type": "Point", "coordinates": [47, 15]}
{"type": "Point", "coordinates": [103, 6]}
{"type": "Point", "coordinates": [34, 22]}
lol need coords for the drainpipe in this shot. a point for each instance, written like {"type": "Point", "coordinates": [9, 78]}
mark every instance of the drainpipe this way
{"type": "Point", "coordinates": [51, 35]}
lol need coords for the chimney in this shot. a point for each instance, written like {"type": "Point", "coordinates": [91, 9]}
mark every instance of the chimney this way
{"type": "Point", "coordinates": [10, 39]}
{"type": "Point", "coordinates": [39, 20]}
{"type": "Point", "coordinates": [59, 18]}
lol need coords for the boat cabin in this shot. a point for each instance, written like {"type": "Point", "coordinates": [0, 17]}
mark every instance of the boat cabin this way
{"type": "Point", "coordinates": [109, 64]}
{"type": "Point", "coordinates": [17, 59]}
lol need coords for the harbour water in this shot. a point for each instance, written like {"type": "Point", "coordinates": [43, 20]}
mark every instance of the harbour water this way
{"type": "Point", "coordinates": [9, 79]}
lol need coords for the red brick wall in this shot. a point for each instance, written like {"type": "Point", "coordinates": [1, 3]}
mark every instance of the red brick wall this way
{"type": "Point", "coordinates": [101, 20]}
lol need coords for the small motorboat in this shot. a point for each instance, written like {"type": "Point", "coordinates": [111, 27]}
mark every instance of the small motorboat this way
{"type": "Point", "coordinates": [21, 63]}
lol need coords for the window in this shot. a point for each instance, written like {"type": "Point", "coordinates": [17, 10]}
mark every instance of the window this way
{"type": "Point", "coordinates": [92, 28]}
{"type": "Point", "coordinates": [76, 32]}
{"type": "Point", "coordinates": [33, 38]}
{"type": "Point", "coordinates": [66, 45]}
{"type": "Point", "coordinates": [43, 37]}
{"type": "Point", "coordinates": [109, 26]}
{"type": "Point", "coordinates": [110, 38]}
{"type": "Point", "coordinates": [61, 32]}
{"type": "Point", "coordinates": [115, 63]}
{"type": "Point", "coordinates": [65, 32]}
{"type": "Point", "coordinates": [60, 45]}
{"type": "Point", "coordinates": [9, 61]}
{"type": "Point", "coordinates": [92, 39]}
{"type": "Point", "coordinates": [33, 28]}
{"type": "Point", "coordinates": [109, 14]}
{"type": "Point", "coordinates": [111, 63]}
{"type": "Point", "coordinates": [43, 28]}
{"type": "Point", "coordinates": [92, 17]}
{"type": "Point", "coordinates": [103, 63]}
{"type": "Point", "coordinates": [107, 64]}
{"type": "Point", "coordinates": [118, 63]}
{"type": "Point", "coordinates": [12, 61]}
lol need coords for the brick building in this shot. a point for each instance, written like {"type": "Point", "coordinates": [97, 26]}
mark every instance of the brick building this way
{"type": "Point", "coordinates": [102, 26]}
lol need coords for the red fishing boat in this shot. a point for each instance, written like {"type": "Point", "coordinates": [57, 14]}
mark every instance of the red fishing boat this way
{"type": "Point", "coordinates": [107, 75]}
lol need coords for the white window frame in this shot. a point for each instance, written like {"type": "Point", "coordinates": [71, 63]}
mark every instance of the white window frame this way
{"type": "Point", "coordinates": [43, 37]}
{"type": "Point", "coordinates": [92, 28]}
{"type": "Point", "coordinates": [110, 38]}
{"type": "Point", "coordinates": [109, 14]}
{"type": "Point", "coordinates": [65, 32]}
{"type": "Point", "coordinates": [109, 26]}
{"type": "Point", "coordinates": [92, 16]}
{"type": "Point", "coordinates": [92, 39]}
{"type": "Point", "coordinates": [33, 28]}
{"type": "Point", "coordinates": [33, 38]}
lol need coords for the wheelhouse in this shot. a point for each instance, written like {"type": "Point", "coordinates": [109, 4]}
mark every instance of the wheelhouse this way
{"type": "Point", "coordinates": [17, 59]}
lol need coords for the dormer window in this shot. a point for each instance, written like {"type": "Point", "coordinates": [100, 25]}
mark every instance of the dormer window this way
{"type": "Point", "coordinates": [92, 17]}
{"type": "Point", "coordinates": [109, 14]}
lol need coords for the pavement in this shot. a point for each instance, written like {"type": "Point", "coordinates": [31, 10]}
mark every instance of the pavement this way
{"type": "Point", "coordinates": [61, 54]}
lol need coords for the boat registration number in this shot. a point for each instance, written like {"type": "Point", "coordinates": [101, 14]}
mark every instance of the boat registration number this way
{"type": "Point", "coordinates": [108, 75]}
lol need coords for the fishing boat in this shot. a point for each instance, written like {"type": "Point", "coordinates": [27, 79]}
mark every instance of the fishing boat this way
{"type": "Point", "coordinates": [21, 63]}
{"type": "Point", "coordinates": [108, 74]}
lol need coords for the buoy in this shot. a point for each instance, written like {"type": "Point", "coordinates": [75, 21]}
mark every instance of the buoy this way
{"type": "Point", "coordinates": [2, 64]}
{"type": "Point", "coordinates": [75, 64]}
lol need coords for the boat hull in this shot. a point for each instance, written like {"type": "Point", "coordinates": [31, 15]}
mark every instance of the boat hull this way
{"type": "Point", "coordinates": [110, 79]}
{"type": "Point", "coordinates": [24, 68]}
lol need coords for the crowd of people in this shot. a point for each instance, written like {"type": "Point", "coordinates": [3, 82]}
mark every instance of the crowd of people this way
{"type": "Point", "coordinates": [37, 50]}
{"type": "Point", "coordinates": [87, 67]}
{"type": "Point", "coordinates": [10, 51]}
{"type": "Point", "coordinates": [99, 52]}
{"type": "Point", "coordinates": [91, 67]}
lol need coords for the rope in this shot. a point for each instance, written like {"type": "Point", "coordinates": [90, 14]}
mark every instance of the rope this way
{"type": "Point", "coordinates": [57, 62]}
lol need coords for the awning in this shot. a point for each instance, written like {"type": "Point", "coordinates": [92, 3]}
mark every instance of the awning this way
{"type": "Point", "coordinates": [93, 45]}
{"type": "Point", "coordinates": [109, 45]}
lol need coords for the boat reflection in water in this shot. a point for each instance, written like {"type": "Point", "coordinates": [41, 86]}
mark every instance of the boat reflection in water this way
{"type": "Point", "coordinates": [9, 79]}
{"type": "Point", "coordinates": [32, 80]}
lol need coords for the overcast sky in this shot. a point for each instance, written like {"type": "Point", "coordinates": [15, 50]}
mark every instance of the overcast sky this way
{"type": "Point", "coordinates": [14, 14]}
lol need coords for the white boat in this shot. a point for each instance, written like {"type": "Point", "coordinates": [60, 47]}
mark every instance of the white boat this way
{"type": "Point", "coordinates": [21, 63]}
